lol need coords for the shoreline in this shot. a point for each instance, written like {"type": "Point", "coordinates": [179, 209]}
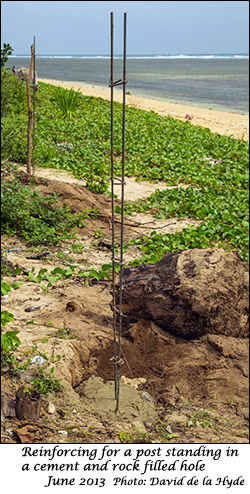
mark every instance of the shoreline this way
{"type": "Point", "coordinates": [223, 122]}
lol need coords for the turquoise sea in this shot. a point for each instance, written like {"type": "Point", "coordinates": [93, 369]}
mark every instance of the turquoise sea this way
{"type": "Point", "coordinates": [210, 81]}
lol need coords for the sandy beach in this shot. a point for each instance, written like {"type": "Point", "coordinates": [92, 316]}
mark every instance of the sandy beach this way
{"type": "Point", "coordinates": [225, 123]}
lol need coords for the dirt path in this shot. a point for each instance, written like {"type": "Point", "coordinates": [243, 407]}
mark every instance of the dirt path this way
{"type": "Point", "coordinates": [134, 190]}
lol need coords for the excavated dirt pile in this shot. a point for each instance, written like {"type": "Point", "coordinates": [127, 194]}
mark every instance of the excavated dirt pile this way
{"type": "Point", "coordinates": [187, 317]}
{"type": "Point", "coordinates": [184, 345]}
{"type": "Point", "coordinates": [190, 293]}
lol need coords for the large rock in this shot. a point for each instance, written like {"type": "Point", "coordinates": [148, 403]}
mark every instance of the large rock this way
{"type": "Point", "coordinates": [190, 293]}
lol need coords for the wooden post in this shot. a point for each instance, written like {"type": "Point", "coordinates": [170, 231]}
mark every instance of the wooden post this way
{"type": "Point", "coordinates": [29, 134]}
{"type": "Point", "coordinates": [28, 404]}
{"type": "Point", "coordinates": [29, 129]}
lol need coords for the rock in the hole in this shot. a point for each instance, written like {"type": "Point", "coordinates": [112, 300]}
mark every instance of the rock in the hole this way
{"type": "Point", "coordinates": [190, 293]}
{"type": "Point", "coordinates": [51, 408]}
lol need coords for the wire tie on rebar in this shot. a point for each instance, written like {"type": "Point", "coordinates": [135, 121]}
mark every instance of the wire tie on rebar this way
{"type": "Point", "coordinates": [123, 315]}
{"type": "Point", "coordinates": [121, 182]}
{"type": "Point", "coordinates": [114, 308]}
{"type": "Point", "coordinates": [117, 360]}
{"type": "Point", "coordinates": [118, 83]}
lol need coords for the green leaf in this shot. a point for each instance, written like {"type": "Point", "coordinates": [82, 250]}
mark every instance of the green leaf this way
{"type": "Point", "coordinates": [6, 317]}
{"type": "Point", "coordinates": [81, 274]}
{"type": "Point", "coordinates": [105, 275]}
{"type": "Point", "coordinates": [52, 279]}
{"type": "Point", "coordinates": [16, 284]}
{"type": "Point", "coordinates": [58, 271]}
{"type": "Point", "coordinates": [41, 275]}
{"type": "Point", "coordinates": [70, 271]}
{"type": "Point", "coordinates": [17, 271]}
{"type": "Point", "coordinates": [42, 271]}
{"type": "Point", "coordinates": [5, 288]}
{"type": "Point", "coordinates": [31, 276]}
{"type": "Point", "coordinates": [172, 436]}
{"type": "Point", "coordinates": [85, 273]}
{"type": "Point", "coordinates": [95, 274]}
{"type": "Point", "coordinates": [9, 340]}
{"type": "Point", "coordinates": [117, 267]}
{"type": "Point", "coordinates": [106, 267]}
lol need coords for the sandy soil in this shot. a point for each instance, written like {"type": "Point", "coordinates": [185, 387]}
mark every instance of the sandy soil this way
{"type": "Point", "coordinates": [72, 328]}
{"type": "Point", "coordinates": [133, 189]}
{"type": "Point", "coordinates": [224, 123]}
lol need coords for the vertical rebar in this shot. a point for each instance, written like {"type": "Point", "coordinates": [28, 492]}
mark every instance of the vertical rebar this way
{"type": "Point", "coordinates": [34, 113]}
{"type": "Point", "coordinates": [112, 190]}
{"type": "Point", "coordinates": [122, 210]}
{"type": "Point", "coordinates": [117, 355]}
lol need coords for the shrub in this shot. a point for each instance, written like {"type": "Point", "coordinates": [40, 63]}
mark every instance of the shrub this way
{"type": "Point", "coordinates": [5, 53]}
{"type": "Point", "coordinates": [13, 95]}
{"type": "Point", "coordinates": [67, 100]}
{"type": "Point", "coordinates": [38, 219]}
{"type": "Point", "coordinates": [46, 383]}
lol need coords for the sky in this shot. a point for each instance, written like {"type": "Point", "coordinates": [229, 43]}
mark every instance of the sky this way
{"type": "Point", "coordinates": [153, 28]}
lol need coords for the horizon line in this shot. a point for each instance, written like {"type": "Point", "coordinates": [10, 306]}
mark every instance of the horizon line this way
{"type": "Point", "coordinates": [133, 54]}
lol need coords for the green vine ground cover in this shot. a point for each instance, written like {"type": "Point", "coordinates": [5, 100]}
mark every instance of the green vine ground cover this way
{"type": "Point", "coordinates": [224, 215]}
{"type": "Point", "coordinates": [157, 148]}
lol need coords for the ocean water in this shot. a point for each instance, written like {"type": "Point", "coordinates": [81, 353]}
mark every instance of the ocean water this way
{"type": "Point", "coordinates": [211, 81]}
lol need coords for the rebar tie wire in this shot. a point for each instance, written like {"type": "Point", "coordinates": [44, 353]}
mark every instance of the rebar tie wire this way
{"type": "Point", "coordinates": [117, 311]}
